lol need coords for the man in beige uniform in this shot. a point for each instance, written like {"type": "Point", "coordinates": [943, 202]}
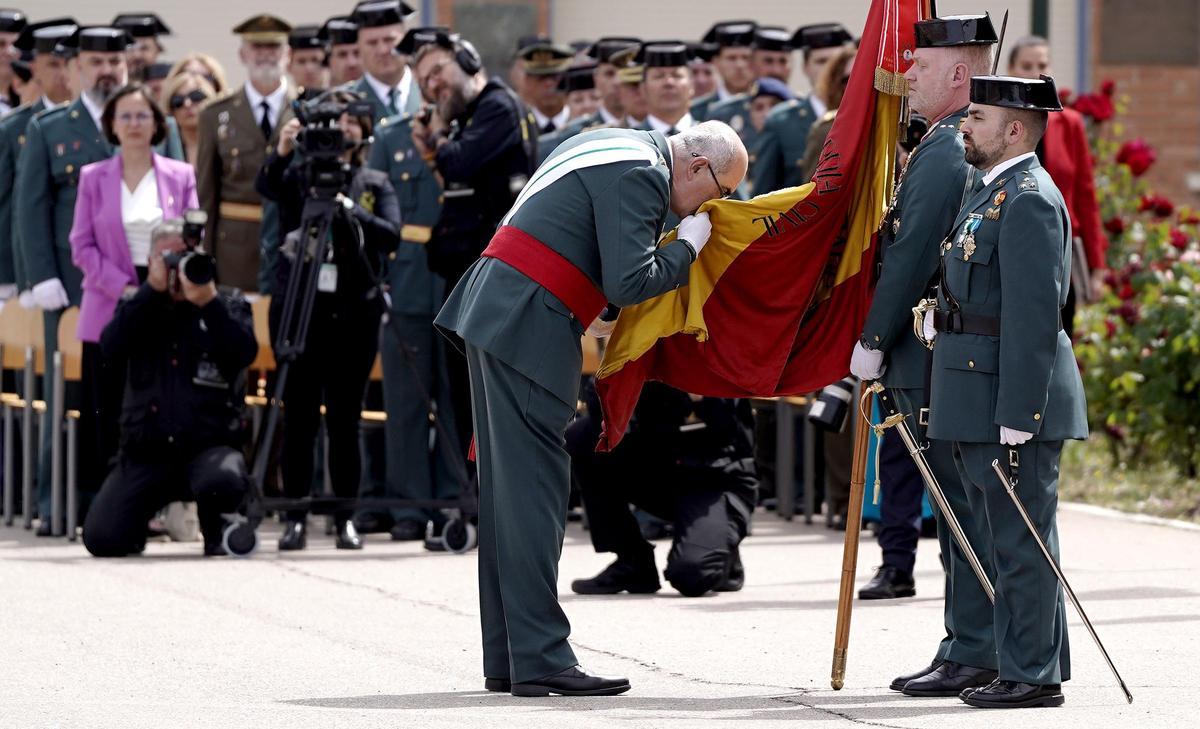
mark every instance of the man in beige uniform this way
{"type": "Point", "coordinates": [236, 132]}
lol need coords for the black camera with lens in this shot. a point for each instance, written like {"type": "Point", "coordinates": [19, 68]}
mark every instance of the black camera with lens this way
{"type": "Point", "coordinates": [321, 142]}
{"type": "Point", "coordinates": [832, 405]}
{"type": "Point", "coordinates": [199, 267]}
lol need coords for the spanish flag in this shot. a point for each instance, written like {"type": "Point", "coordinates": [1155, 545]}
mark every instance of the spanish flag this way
{"type": "Point", "coordinates": [778, 296]}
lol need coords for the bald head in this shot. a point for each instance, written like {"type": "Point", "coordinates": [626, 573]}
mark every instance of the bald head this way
{"type": "Point", "coordinates": [709, 162]}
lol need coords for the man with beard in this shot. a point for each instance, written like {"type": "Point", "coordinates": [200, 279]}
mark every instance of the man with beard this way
{"type": "Point", "coordinates": [144, 28]}
{"type": "Point", "coordinates": [50, 71]}
{"type": "Point", "coordinates": [582, 235]}
{"type": "Point", "coordinates": [340, 34]}
{"type": "Point", "coordinates": [416, 294]}
{"type": "Point", "coordinates": [935, 180]}
{"type": "Point", "coordinates": [236, 134]}
{"type": "Point", "coordinates": [781, 145]}
{"type": "Point", "coordinates": [306, 64]}
{"type": "Point", "coordinates": [608, 84]}
{"type": "Point", "coordinates": [1005, 385]}
{"type": "Point", "coordinates": [387, 80]}
{"type": "Point", "coordinates": [58, 143]}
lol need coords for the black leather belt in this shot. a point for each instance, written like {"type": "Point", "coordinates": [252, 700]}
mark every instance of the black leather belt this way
{"type": "Point", "coordinates": [959, 322]}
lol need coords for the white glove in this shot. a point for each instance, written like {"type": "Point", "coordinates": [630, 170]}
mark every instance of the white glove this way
{"type": "Point", "coordinates": [866, 364]}
{"type": "Point", "coordinates": [7, 291]}
{"type": "Point", "coordinates": [601, 328]}
{"type": "Point", "coordinates": [695, 229]}
{"type": "Point", "coordinates": [50, 295]}
{"type": "Point", "coordinates": [26, 299]}
{"type": "Point", "coordinates": [927, 326]}
{"type": "Point", "coordinates": [1010, 437]}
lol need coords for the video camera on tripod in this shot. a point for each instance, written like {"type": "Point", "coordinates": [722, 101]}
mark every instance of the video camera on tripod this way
{"type": "Point", "coordinates": [192, 261]}
{"type": "Point", "coordinates": [322, 143]}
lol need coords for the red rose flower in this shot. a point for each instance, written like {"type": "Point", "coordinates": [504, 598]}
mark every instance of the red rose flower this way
{"type": "Point", "coordinates": [1115, 225]}
{"type": "Point", "coordinates": [1179, 239]}
{"type": "Point", "coordinates": [1126, 292]}
{"type": "Point", "coordinates": [1108, 87]}
{"type": "Point", "coordinates": [1129, 312]}
{"type": "Point", "coordinates": [1110, 328]}
{"type": "Point", "coordinates": [1137, 156]}
{"type": "Point", "coordinates": [1097, 106]}
{"type": "Point", "coordinates": [1159, 205]}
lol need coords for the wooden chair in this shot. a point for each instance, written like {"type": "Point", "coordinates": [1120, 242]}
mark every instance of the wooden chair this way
{"type": "Point", "coordinates": [67, 367]}
{"type": "Point", "coordinates": [23, 343]}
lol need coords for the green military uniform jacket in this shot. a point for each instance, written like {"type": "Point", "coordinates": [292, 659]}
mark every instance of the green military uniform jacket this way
{"type": "Point", "coordinates": [58, 143]}
{"type": "Point", "coordinates": [547, 143]}
{"type": "Point", "coordinates": [230, 153]}
{"type": "Point", "coordinates": [735, 111]}
{"type": "Point", "coordinates": [931, 190]}
{"type": "Point", "coordinates": [414, 288]}
{"type": "Point", "coordinates": [779, 154]}
{"type": "Point", "coordinates": [12, 141]}
{"type": "Point", "coordinates": [1008, 255]}
{"type": "Point", "coordinates": [606, 220]}
{"type": "Point", "coordinates": [411, 105]}
{"type": "Point", "coordinates": [701, 105]}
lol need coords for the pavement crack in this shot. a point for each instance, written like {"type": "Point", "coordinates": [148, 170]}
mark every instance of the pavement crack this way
{"type": "Point", "coordinates": [792, 700]}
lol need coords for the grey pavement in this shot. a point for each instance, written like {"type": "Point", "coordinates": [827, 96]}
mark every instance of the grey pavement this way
{"type": "Point", "coordinates": [389, 637]}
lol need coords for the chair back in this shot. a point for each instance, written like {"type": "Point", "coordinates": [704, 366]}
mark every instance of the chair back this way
{"type": "Point", "coordinates": [70, 345]}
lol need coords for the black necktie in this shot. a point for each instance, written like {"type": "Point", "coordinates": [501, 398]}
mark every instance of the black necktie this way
{"type": "Point", "coordinates": [265, 124]}
{"type": "Point", "coordinates": [549, 127]}
{"type": "Point", "coordinates": [672, 132]}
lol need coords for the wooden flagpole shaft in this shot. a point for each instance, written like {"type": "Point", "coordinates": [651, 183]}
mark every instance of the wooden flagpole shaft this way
{"type": "Point", "coordinates": [841, 640]}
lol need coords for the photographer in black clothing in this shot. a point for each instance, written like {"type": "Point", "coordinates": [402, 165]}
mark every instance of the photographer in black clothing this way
{"type": "Point", "coordinates": [181, 424]}
{"type": "Point", "coordinates": [343, 334]}
{"type": "Point", "coordinates": [686, 459]}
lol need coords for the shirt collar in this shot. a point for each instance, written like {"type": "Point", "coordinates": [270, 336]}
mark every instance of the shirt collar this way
{"type": "Point", "coordinates": [560, 119]}
{"type": "Point", "coordinates": [274, 99]}
{"type": "Point", "coordinates": [96, 112]}
{"type": "Point", "coordinates": [48, 104]}
{"type": "Point", "coordinates": [999, 169]}
{"type": "Point", "coordinates": [607, 116]}
{"type": "Point", "coordinates": [658, 125]}
{"type": "Point", "coordinates": [382, 90]}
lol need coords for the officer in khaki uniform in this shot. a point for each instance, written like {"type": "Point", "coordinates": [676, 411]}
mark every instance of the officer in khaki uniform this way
{"type": "Point", "coordinates": [1005, 383]}
{"type": "Point", "coordinates": [932, 187]}
{"type": "Point", "coordinates": [779, 153]}
{"type": "Point", "coordinates": [237, 132]}
{"type": "Point", "coordinates": [415, 294]}
{"type": "Point", "coordinates": [44, 41]}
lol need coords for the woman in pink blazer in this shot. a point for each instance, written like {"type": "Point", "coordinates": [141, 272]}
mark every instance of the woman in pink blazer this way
{"type": "Point", "coordinates": [120, 201]}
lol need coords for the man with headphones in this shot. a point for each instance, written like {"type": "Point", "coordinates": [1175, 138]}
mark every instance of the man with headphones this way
{"type": "Point", "coordinates": [482, 143]}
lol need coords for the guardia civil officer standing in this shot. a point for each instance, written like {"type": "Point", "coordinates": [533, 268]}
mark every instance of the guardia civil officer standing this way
{"type": "Point", "coordinates": [1005, 383]}
{"type": "Point", "coordinates": [581, 235]}
{"type": "Point", "coordinates": [933, 185]}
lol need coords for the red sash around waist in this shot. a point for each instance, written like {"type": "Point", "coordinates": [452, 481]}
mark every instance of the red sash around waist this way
{"type": "Point", "coordinates": [550, 269]}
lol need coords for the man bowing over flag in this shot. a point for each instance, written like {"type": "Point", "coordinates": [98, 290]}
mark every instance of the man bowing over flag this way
{"type": "Point", "coordinates": [582, 236]}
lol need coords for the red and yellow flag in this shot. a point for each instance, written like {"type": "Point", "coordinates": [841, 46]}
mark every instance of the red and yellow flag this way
{"type": "Point", "coordinates": [778, 296]}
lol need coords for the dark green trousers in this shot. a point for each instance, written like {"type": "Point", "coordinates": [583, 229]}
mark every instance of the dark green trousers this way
{"type": "Point", "coordinates": [524, 484]}
{"type": "Point", "coordinates": [970, 638]}
{"type": "Point", "coordinates": [1030, 615]}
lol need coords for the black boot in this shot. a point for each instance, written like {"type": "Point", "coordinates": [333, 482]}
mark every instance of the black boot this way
{"type": "Point", "coordinates": [737, 574]}
{"type": "Point", "coordinates": [294, 536]}
{"type": "Point", "coordinates": [624, 575]}
{"type": "Point", "coordinates": [888, 583]}
{"type": "Point", "coordinates": [347, 535]}
{"type": "Point", "coordinates": [949, 679]}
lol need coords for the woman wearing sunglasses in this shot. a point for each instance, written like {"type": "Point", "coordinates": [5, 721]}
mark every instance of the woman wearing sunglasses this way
{"type": "Point", "coordinates": [183, 97]}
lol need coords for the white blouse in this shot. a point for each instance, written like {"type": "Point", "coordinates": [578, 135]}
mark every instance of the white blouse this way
{"type": "Point", "coordinates": [141, 212]}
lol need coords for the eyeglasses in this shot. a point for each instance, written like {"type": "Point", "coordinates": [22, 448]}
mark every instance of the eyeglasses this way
{"type": "Point", "coordinates": [722, 192]}
{"type": "Point", "coordinates": [141, 117]}
{"type": "Point", "coordinates": [179, 100]}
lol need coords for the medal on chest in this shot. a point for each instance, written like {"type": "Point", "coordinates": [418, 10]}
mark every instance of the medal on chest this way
{"type": "Point", "coordinates": [966, 239]}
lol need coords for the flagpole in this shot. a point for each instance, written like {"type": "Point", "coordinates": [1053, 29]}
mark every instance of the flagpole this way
{"type": "Point", "coordinates": [858, 470]}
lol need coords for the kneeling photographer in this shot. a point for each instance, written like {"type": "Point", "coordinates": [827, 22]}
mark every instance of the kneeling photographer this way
{"type": "Point", "coordinates": [686, 459]}
{"type": "Point", "coordinates": [327, 189]}
{"type": "Point", "coordinates": [181, 426]}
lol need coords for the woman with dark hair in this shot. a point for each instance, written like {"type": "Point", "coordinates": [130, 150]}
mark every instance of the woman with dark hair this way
{"type": "Point", "coordinates": [343, 334]}
{"type": "Point", "coordinates": [120, 201]}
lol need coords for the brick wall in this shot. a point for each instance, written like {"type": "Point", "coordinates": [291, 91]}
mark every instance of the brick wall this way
{"type": "Point", "coordinates": [1163, 107]}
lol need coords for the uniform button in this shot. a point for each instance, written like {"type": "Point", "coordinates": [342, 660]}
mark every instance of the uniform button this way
{"type": "Point", "coordinates": [971, 363]}
{"type": "Point", "coordinates": [1037, 416]}
{"type": "Point", "coordinates": [392, 256]}
{"type": "Point", "coordinates": [399, 156]}
{"type": "Point", "coordinates": [404, 176]}
{"type": "Point", "coordinates": [170, 439]}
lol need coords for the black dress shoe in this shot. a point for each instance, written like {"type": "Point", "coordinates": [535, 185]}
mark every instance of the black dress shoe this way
{"type": "Point", "coordinates": [499, 685]}
{"type": "Point", "coordinates": [899, 681]}
{"type": "Point", "coordinates": [1014, 695]}
{"type": "Point", "coordinates": [737, 574]}
{"type": "Point", "coordinates": [574, 681]}
{"type": "Point", "coordinates": [347, 536]}
{"type": "Point", "coordinates": [637, 578]}
{"type": "Point", "coordinates": [949, 679]}
{"type": "Point", "coordinates": [294, 537]}
{"type": "Point", "coordinates": [887, 584]}
{"type": "Point", "coordinates": [408, 531]}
